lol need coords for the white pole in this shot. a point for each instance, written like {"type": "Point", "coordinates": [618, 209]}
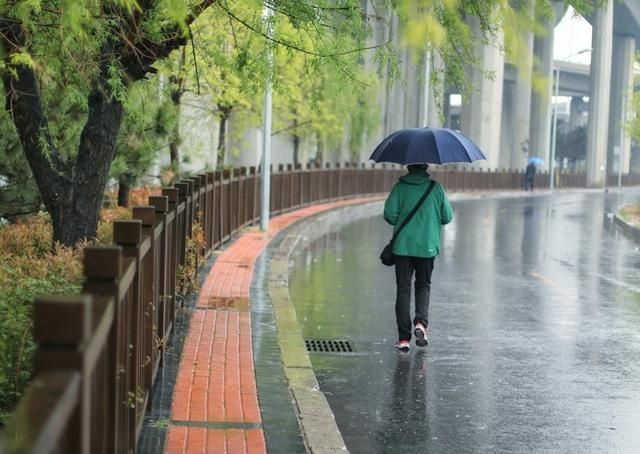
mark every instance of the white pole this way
{"type": "Point", "coordinates": [554, 126]}
{"type": "Point", "coordinates": [621, 152]}
{"type": "Point", "coordinates": [265, 178]}
{"type": "Point", "coordinates": [427, 88]}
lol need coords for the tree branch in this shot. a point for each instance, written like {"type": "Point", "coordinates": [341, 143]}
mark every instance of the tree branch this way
{"type": "Point", "coordinates": [23, 102]}
{"type": "Point", "coordinates": [301, 49]}
{"type": "Point", "coordinates": [137, 58]}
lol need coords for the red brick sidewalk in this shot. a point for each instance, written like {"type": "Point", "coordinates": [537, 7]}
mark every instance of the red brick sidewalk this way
{"type": "Point", "coordinates": [215, 404]}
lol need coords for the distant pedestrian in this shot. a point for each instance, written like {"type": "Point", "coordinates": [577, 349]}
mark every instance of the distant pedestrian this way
{"type": "Point", "coordinates": [529, 176]}
{"type": "Point", "coordinates": [415, 247]}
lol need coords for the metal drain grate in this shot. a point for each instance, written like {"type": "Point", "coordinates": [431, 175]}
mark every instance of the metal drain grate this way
{"type": "Point", "coordinates": [329, 346]}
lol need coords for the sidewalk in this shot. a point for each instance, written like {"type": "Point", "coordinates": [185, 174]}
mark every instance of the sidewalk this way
{"type": "Point", "coordinates": [216, 405]}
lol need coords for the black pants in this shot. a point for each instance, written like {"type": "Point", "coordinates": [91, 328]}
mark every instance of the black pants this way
{"type": "Point", "coordinates": [528, 184]}
{"type": "Point", "coordinates": [405, 269]}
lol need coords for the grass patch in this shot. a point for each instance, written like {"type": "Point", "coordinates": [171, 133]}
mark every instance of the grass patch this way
{"type": "Point", "coordinates": [631, 214]}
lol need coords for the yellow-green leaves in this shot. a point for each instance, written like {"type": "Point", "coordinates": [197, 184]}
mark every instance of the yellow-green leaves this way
{"type": "Point", "coordinates": [175, 11]}
{"type": "Point", "coordinates": [22, 59]}
{"type": "Point", "coordinates": [76, 18]}
{"type": "Point", "coordinates": [128, 5]}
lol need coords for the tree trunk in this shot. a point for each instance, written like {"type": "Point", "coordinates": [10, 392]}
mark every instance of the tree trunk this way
{"type": "Point", "coordinates": [174, 155]}
{"type": "Point", "coordinates": [320, 153]}
{"type": "Point", "coordinates": [123, 193]}
{"type": "Point", "coordinates": [71, 191]}
{"type": "Point", "coordinates": [75, 216]}
{"type": "Point", "coordinates": [296, 143]}
{"type": "Point", "coordinates": [222, 137]}
{"type": "Point", "coordinates": [177, 91]}
{"type": "Point", "coordinates": [174, 141]}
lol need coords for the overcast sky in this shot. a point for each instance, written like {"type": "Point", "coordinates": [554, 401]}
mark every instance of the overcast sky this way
{"type": "Point", "coordinates": [572, 35]}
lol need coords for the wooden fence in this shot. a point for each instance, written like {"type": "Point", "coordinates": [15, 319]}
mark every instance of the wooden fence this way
{"type": "Point", "coordinates": [99, 353]}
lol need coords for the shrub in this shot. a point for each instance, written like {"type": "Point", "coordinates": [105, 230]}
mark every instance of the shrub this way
{"type": "Point", "coordinates": [105, 226]}
{"type": "Point", "coordinates": [187, 277]}
{"type": "Point", "coordinates": [29, 268]}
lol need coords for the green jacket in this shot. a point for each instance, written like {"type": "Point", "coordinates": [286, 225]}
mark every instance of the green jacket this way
{"type": "Point", "coordinates": [421, 236]}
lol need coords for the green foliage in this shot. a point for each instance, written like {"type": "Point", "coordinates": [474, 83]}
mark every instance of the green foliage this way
{"type": "Point", "coordinates": [29, 268]}
{"type": "Point", "coordinates": [572, 145]}
{"type": "Point", "coordinates": [633, 125]}
{"type": "Point", "coordinates": [149, 119]}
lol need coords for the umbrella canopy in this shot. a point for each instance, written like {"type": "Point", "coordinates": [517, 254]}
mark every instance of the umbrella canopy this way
{"type": "Point", "coordinates": [426, 146]}
{"type": "Point", "coordinates": [535, 161]}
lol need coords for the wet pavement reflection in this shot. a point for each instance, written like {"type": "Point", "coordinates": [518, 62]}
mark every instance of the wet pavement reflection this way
{"type": "Point", "coordinates": [534, 322]}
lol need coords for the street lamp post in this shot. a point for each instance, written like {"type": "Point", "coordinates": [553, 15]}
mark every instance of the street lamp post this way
{"type": "Point", "coordinates": [621, 149]}
{"type": "Point", "coordinates": [554, 125]}
{"type": "Point", "coordinates": [554, 121]}
{"type": "Point", "coordinates": [265, 174]}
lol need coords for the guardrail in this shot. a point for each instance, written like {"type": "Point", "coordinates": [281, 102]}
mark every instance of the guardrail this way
{"type": "Point", "coordinates": [98, 353]}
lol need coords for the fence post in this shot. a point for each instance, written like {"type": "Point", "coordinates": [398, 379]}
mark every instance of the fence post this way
{"type": "Point", "coordinates": [243, 190]}
{"type": "Point", "coordinates": [182, 219]}
{"type": "Point", "coordinates": [326, 182]}
{"type": "Point", "coordinates": [62, 328]}
{"type": "Point", "coordinates": [287, 194]}
{"type": "Point", "coordinates": [128, 235]}
{"type": "Point", "coordinates": [151, 292]}
{"type": "Point", "coordinates": [254, 194]}
{"type": "Point", "coordinates": [227, 205]}
{"type": "Point", "coordinates": [211, 178]}
{"type": "Point", "coordinates": [162, 288]}
{"type": "Point", "coordinates": [172, 249]}
{"type": "Point", "coordinates": [185, 188]}
{"type": "Point", "coordinates": [103, 270]}
{"type": "Point", "coordinates": [219, 208]}
{"type": "Point", "coordinates": [235, 200]}
{"type": "Point", "coordinates": [339, 173]}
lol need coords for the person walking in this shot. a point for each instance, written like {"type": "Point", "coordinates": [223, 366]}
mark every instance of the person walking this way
{"type": "Point", "coordinates": [415, 247]}
{"type": "Point", "coordinates": [529, 176]}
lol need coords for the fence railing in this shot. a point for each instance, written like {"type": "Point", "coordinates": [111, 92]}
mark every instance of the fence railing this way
{"type": "Point", "coordinates": [98, 353]}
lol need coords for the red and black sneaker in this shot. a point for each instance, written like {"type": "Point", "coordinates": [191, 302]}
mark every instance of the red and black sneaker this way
{"type": "Point", "coordinates": [403, 345]}
{"type": "Point", "coordinates": [421, 335]}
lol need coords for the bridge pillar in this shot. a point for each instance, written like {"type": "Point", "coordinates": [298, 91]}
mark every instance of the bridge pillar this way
{"type": "Point", "coordinates": [509, 107]}
{"type": "Point", "coordinates": [600, 90]}
{"type": "Point", "coordinates": [482, 110]}
{"type": "Point", "coordinates": [540, 126]}
{"type": "Point", "coordinates": [624, 48]}
{"type": "Point", "coordinates": [522, 103]}
{"type": "Point", "coordinates": [577, 117]}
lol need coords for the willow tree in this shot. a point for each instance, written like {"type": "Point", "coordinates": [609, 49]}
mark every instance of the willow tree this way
{"type": "Point", "coordinates": [90, 52]}
{"type": "Point", "coordinates": [94, 50]}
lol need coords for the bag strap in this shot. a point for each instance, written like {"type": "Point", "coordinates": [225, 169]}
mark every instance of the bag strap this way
{"type": "Point", "coordinates": [415, 209]}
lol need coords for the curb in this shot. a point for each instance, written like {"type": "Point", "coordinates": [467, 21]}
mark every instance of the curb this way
{"type": "Point", "coordinates": [316, 420]}
{"type": "Point", "coordinates": [628, 229]}
{"type": "Point", "coordinates": [315, 417]}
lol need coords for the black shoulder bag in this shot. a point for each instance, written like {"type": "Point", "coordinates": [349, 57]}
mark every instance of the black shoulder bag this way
{"type": "Point", "coordinates": [386, 257]}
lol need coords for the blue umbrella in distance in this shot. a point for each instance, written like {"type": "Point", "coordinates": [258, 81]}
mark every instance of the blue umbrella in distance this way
{"type": "Point", "coordinates": [536, 161]}
{"type": "Point", "coordinates": [426, 146]}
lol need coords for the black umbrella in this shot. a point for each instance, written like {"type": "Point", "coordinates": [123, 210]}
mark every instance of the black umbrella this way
{"type": "Point", "coordinates": [426, 146]}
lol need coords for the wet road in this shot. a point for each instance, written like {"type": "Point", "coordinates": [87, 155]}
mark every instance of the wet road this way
{"type": "Point", "coordinates": [535, 332]}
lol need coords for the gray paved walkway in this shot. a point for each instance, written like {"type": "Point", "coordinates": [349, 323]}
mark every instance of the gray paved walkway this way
{"type": "Point", "coordinates": [535, 332]}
